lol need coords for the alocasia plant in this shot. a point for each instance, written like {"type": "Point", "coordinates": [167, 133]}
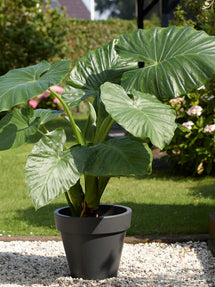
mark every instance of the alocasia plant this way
{"type": "Point", "coordinates": [177, 60]}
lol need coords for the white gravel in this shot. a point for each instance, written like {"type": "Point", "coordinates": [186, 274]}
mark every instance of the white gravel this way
{"type": "Point", "coordinates": [25, 263]}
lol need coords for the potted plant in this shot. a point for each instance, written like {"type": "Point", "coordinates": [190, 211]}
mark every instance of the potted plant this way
{"type": "Point", "coordinates": [176, 61]}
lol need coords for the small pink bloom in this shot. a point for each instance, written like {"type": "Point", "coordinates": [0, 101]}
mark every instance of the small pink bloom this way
{"type": "Point", "coordinates": [57, 89]}
{"type": "Point", "coordinates": [188, 125]}
{"type": "Point", "coordinates": [56, 101]}
{"type": "Point", "coordinates": [176, 152]}
{"type": "Point", "coordinates": [43, 95]}
{"type": "Point", "coordinates": [209, 128]}
{"type": "Point", "coordinates": [176, 101]}
{"type": "Point", "coordinates": [195, 111]}
{"type": "Point", "coordinates": [33, 103]}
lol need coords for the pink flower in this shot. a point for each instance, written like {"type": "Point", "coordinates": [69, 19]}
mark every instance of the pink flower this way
{"type": "Point", "coordinates": [195, 111]}
{"type": "Point", "coordinates": [56, 101]}
{"type": "Point", "coordinates": [43, 95]}
{"type": "Point", "coordinates": [57, 89]}
{"type": "Point", "coordinates": [176, 101]}
{"type": "Point", "coordinates": [33, 103]}
{"type": "Point", "coordinates": [188, 125]}
{"type": "Point", "coordinates": [209, 128]}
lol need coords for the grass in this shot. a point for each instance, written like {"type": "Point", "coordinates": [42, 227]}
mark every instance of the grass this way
{"type": "Point", "coordinates": [166, 205]}
{"type": "Point", "coordinates": [160, 204]}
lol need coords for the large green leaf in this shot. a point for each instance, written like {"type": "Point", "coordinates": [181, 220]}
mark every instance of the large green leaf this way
{"type": "Point", "coordinates": [20, 85]}
{"type": "Point", "coordinates": [16, 127]}
{"type": "Point", "coordinates": [51, 171]}
{"type": "Point", "coordinates": [177, 60]}
{"type": "Point", "coordinates": [143, 116]}
{"type": "Point", "coordinates": [95, 68]}
{"type": "Point", "coordinates": [46, 115]}
{"type": "Point", "coordinates": [119, 157]}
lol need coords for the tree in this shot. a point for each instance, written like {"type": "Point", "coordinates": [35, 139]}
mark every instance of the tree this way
{"type": "Point", "coordinates": [118, 8]}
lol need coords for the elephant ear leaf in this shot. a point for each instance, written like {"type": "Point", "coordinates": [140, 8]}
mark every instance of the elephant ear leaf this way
{"type": "Point", "coordinates": [177, 60]}
{"type": "Point", "coordinates": [91, 71]}
{"type": "Point", "coordinates": [20, 85]}
{"type": "Point", "coordinates": [119, 157]}
{"type": "Point", "coordinates": [17, 127]}
{"type": "Point", "coordinates": [51, 170]}
{"type": "Point", "coordinates": [143, 116]}
{"type": "Point", "coordinates": [46, 115]}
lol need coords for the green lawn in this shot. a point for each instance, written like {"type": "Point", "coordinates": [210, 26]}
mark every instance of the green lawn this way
{"type": "Point", "coordinates": [160, 204]}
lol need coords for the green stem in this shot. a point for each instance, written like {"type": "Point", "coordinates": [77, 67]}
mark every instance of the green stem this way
{"type": "Point", "coordinates": [76, 130]}
{"type": "Point", "coordinates": [91, 191]}
{"type": "Point", "coordinates": [103, 130]}
{"type": "Point", "coordinates": [41, 132]}
{"type": "Point", "coordinates": [69, 203]}
{"type": "Point", "coordinates": [45, 128]}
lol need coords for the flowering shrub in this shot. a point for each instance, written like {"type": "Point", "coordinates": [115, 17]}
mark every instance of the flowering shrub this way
{"type": "Point", "coordinates": [47, 101]}
{"type": "Point", "coordinates": [192, 149]}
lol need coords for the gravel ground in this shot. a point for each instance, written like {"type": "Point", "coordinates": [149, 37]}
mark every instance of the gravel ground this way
{"type": "Point", "coordinates": [36, 263]}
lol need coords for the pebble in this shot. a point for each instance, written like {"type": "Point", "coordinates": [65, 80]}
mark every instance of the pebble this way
{"type": "Point", "coordinates": [37, 264]}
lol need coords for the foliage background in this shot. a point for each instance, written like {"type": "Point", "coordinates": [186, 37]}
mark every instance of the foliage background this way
{"type": "Point", "coordinates": [30, 32]}
{"type": "Point", "coordinates": [192, 152]}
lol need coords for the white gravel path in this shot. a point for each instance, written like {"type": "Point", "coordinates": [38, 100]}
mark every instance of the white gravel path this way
{"type": "Point", "coordinates": [25, 263]}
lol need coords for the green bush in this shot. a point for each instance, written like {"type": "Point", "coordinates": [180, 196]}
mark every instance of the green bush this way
{"type": "Point", "coordinates": [192, 150]}
{"type": "Point", "coordinates": [198, 13]}
{"type": "Point", "coordinates": [88, 35]}
{"type": "Point", "coordinates": [30, 32]}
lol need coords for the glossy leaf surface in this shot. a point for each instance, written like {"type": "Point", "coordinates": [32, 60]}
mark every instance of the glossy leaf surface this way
{"type": "Point", "coordinates": [177, 60]}
{"type": "Point", "coordinates": [20, 85]}
{"type": "Point", "coordinates": [51, 171]}
{"type": "Point", "coordinates": [46, 115]}
{"type": "Point", "coordinates": [16, 127]}
{"type": "Point", "coordinates": [119, 157]}
{"type": "Point", "coordinates": [143, 116]}
{"type": "Point", "coordinates": [91, 71]}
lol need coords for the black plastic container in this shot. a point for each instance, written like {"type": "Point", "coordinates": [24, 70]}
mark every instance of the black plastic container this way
{"type": "Point", "coordinates": [93, 246]}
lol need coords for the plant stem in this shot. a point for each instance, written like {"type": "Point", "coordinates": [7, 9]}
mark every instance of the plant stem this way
{"type": "Point", "coordinates": [76, 130]}
{"type": "Point", "coordinates": [45, 128]}
{"type": "Point", "coordinates": [41, 132]}
{"type": "Point", "coordinates": [103, 130]}
{"type": "Point", "coordinates": [69, 203]}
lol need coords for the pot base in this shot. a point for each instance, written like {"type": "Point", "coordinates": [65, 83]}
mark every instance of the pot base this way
{"type": "Point", "coordinates": [93, 246]}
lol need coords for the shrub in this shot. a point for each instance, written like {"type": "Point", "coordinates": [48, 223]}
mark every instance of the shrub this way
{"type": "Point", "coordinates": [88, 35]}
{"type": "Point", "coordinates": [198, 13]}
{"type": "Point", "coordinates": [192, 150]}
{"type": "Point", "coordinates": [30, 32]}
{"type": "Point", "coordinates": [47, 101]}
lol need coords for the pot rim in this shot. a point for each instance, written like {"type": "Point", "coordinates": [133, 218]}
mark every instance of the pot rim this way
{"type": "Point", "coordinates": [127, 210]}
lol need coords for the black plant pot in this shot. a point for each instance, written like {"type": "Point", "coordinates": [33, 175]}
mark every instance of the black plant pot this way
{"type": "Point", "coordinates": [93, 246]}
